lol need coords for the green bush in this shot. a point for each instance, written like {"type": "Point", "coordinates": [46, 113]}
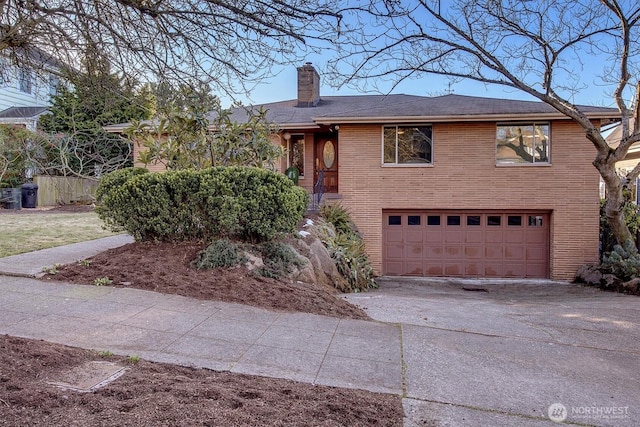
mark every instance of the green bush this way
{"type": "Point", "coordinates": [279, 260]}
{"type": "Point", "coordinates": [243, 203]}
{"type": "Point", "coordinates": [337, 215]}
{"type": "Point", "coordinates": [220, 253]}
{"type": "Point", "coordinates": [623, 261]}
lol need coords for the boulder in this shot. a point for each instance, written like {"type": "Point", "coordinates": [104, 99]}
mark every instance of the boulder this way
{"type": "Point", "coordinates": [324, 269]}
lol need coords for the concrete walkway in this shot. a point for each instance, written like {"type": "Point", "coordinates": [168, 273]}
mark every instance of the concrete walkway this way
{"type": "Point", "coordinates": [500, 355]}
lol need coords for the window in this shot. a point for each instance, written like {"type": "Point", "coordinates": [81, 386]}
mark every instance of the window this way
{"type": "Point", "coordinates": [413, 220]}
{"type": "Point", "coordinates": [453, 220]}
{"type": "Point", "coordinates": [473, 220]}
{"type": "Point", "coordinates": [514, 220]}
{"type": "Point", "coordinates": [493, 220]}
{"type": "Point", "coordinates": [24, 80]}
{"type": "Point", "coordinates": [407, 145]}
{"type": "Point", "coordinates": [433, 220]}
{"type": "Point", "coordinates": [4, 72]}
{"type": "Point", "coordinates": [395, 220]}
{"type": "Point", "coordinates": [522, 144]}
{"type": "Point", "coordinates": [54, 83]}
{"type": "Point", "coordinates": [296, 153]}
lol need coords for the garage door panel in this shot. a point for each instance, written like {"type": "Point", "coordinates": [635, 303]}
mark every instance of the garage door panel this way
{"type": "Point", "coordinates": [434, 252]}
{"type": "Point", "coordinates": [433, 235]}
{"type": "Point", "coordinates": [474, 236]}
{"type": "Point", "coordinates": [536, 269]}
{"type": "Point", "coordinates": [493, 269]}
{"type": "Point", "coordinates": [394, 235]}
{"type": "Point", "coordinates": [514, 236]}
{"type": "Point", "coordinates": [414, 268]}
{"type": "Point", "coordinates": [473, 252]}
{"type": "Point", "coordinates": [434, 270]}
{"type": "Point", "coordinates": [413, 251]}
{"type": "Point", "coordinates": [536, 253]}
{"type": "Point", "coordinates": [515, 270]}
{"type": "Point", "coordinates": [393, 252]}
{"type": "Point", "coordinates": [493, 236]}
{"type": "Point", "coordinates": [514, 253]}
{"type": "Point", "coordinates": [471, 244]}
{"type": "Point", "coordinates": [453, 236]}
{"type": "Point", "coordinates": [413, 236]}
{"type": "Point", "coordinates": [453, 269]}
{"type": "Point", "coordinates": [493, 252]}
{"type": "Point", "coordinates": [394, 268]}
{"type": "Point", "coordinates": [473, 269]}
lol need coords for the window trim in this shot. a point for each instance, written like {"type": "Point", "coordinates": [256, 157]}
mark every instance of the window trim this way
{"type": "Point", "coordinates": [524, 164]}
{"type": "Point", "coordinates": [304, 149]}
{"type": "Point", "coordinates": [405, 165]}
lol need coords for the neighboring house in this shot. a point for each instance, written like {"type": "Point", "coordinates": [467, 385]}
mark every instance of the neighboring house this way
{"type": "Point", "coordinates": [630, 161]}
{"type": "Point", "coordinates": [26, 91]}
{"type": "Point", "coordinates": [450, 185]}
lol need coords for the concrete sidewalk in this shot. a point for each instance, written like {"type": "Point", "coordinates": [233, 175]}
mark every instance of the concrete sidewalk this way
{"type": "Point", "coordinates": [209, 334]}
{"type": "Point", "coordinates": [31, 264]}
{"type": "Point", "coordinates": [501, 356]}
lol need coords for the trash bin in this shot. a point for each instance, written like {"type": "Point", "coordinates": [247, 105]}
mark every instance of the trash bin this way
{"type": "Point", "coordinates": [11, 198]}
{"type": "Point", "coordinates": [29, 195]}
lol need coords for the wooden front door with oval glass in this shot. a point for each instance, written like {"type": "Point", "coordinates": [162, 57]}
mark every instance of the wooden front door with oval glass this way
{"type": "Point", "coordinates": [326, 159]}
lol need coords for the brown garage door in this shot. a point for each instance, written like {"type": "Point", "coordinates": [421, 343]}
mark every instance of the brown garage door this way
{"type": "Point", "coordinates": [466, 243]}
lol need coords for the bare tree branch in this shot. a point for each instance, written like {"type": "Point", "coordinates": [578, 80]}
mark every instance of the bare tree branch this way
{"type": "Point", "coordinates": [540, 48]}
{"type": "Point", "coordinates": [220, 41]}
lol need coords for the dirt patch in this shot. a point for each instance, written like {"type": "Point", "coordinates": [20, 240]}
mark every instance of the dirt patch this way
{"type": "Point", "coordinates": [166, 268]}
{"type": "Point", "coordinates": [161, 394]}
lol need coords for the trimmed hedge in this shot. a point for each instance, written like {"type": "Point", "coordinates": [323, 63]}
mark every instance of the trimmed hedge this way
{"type": "Point", "coordinates": [243, 203]}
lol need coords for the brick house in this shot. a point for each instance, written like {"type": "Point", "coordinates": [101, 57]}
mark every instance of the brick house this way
{"type": "Point", "coordinates": [450, 185]}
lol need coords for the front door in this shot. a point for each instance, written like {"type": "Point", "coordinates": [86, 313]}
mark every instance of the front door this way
{"type": "Point", "coordinates": [326, 159]}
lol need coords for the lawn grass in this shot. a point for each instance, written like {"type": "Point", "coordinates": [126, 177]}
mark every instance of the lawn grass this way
{"type": "Point", "coordinates": [20, 233]}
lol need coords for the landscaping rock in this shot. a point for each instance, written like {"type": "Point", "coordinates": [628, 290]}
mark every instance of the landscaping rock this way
{"type": "Point", "coordinates": [632, 286]}
{"type": "Point", "coordinates": [253, 261]}
{"type": "Point", "coordinates": [320, 262]}
{"type": "Point", "coordinates": [589, 274]}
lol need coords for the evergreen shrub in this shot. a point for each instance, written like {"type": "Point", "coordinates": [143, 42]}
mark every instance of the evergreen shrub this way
{"type": "Point", "coordinates": [244, 203]}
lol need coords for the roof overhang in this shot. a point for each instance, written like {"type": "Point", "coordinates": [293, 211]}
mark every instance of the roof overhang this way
{"type": "Point", "coordinates": [328, 120]}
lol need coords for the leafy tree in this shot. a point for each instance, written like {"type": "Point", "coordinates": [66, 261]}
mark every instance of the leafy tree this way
{"type": "Point", "coordinates": [188, 139]}
{"type": "Point", "coordinates": [538, 47]}
{"type": "Point", "coordinates": [78, 114]}
{"type": "Point", "coordinates": [14, 155]}
{"type": "Point", "coordinates": [223, 40]}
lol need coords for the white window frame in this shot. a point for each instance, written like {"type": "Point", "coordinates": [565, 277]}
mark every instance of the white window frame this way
{"type": "Point", "coordinates": [409, 125]}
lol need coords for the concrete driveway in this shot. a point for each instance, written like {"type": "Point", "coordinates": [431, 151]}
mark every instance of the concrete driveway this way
{"type": "Point", "coordinates": [507, 353]}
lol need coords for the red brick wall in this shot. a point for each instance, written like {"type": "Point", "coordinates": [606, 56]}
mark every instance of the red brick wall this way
{"type": "Point", "coordinates": [464, 176]}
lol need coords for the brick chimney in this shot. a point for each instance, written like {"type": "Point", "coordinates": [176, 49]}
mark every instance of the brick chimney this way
{"type": "Point", "coordinates": [308, 86]}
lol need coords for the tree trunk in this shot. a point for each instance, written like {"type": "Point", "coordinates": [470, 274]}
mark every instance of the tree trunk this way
{"type": "Point", "coordinates": [614, 207]}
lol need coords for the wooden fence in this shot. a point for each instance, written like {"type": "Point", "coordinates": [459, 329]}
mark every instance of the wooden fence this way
{"type": "Point", "coordinates": [61, 190]}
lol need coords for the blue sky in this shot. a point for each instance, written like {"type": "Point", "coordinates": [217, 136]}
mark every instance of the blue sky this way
{"type": "Point", "coordinates": [283, 86]}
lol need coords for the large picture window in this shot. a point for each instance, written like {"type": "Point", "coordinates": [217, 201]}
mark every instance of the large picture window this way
{"type": "Point", "coordinates": [526, 143]}
{"type": "Point", "coordinates": [296, 153]}
{"type": "Point", "coordinates": [407, 145]}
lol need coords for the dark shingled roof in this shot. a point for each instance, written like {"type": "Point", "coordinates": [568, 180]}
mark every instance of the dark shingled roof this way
{"type": "Point", "coordinates": [22, 112]}
{"type": "Point", "coordinates": [371, 107]}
